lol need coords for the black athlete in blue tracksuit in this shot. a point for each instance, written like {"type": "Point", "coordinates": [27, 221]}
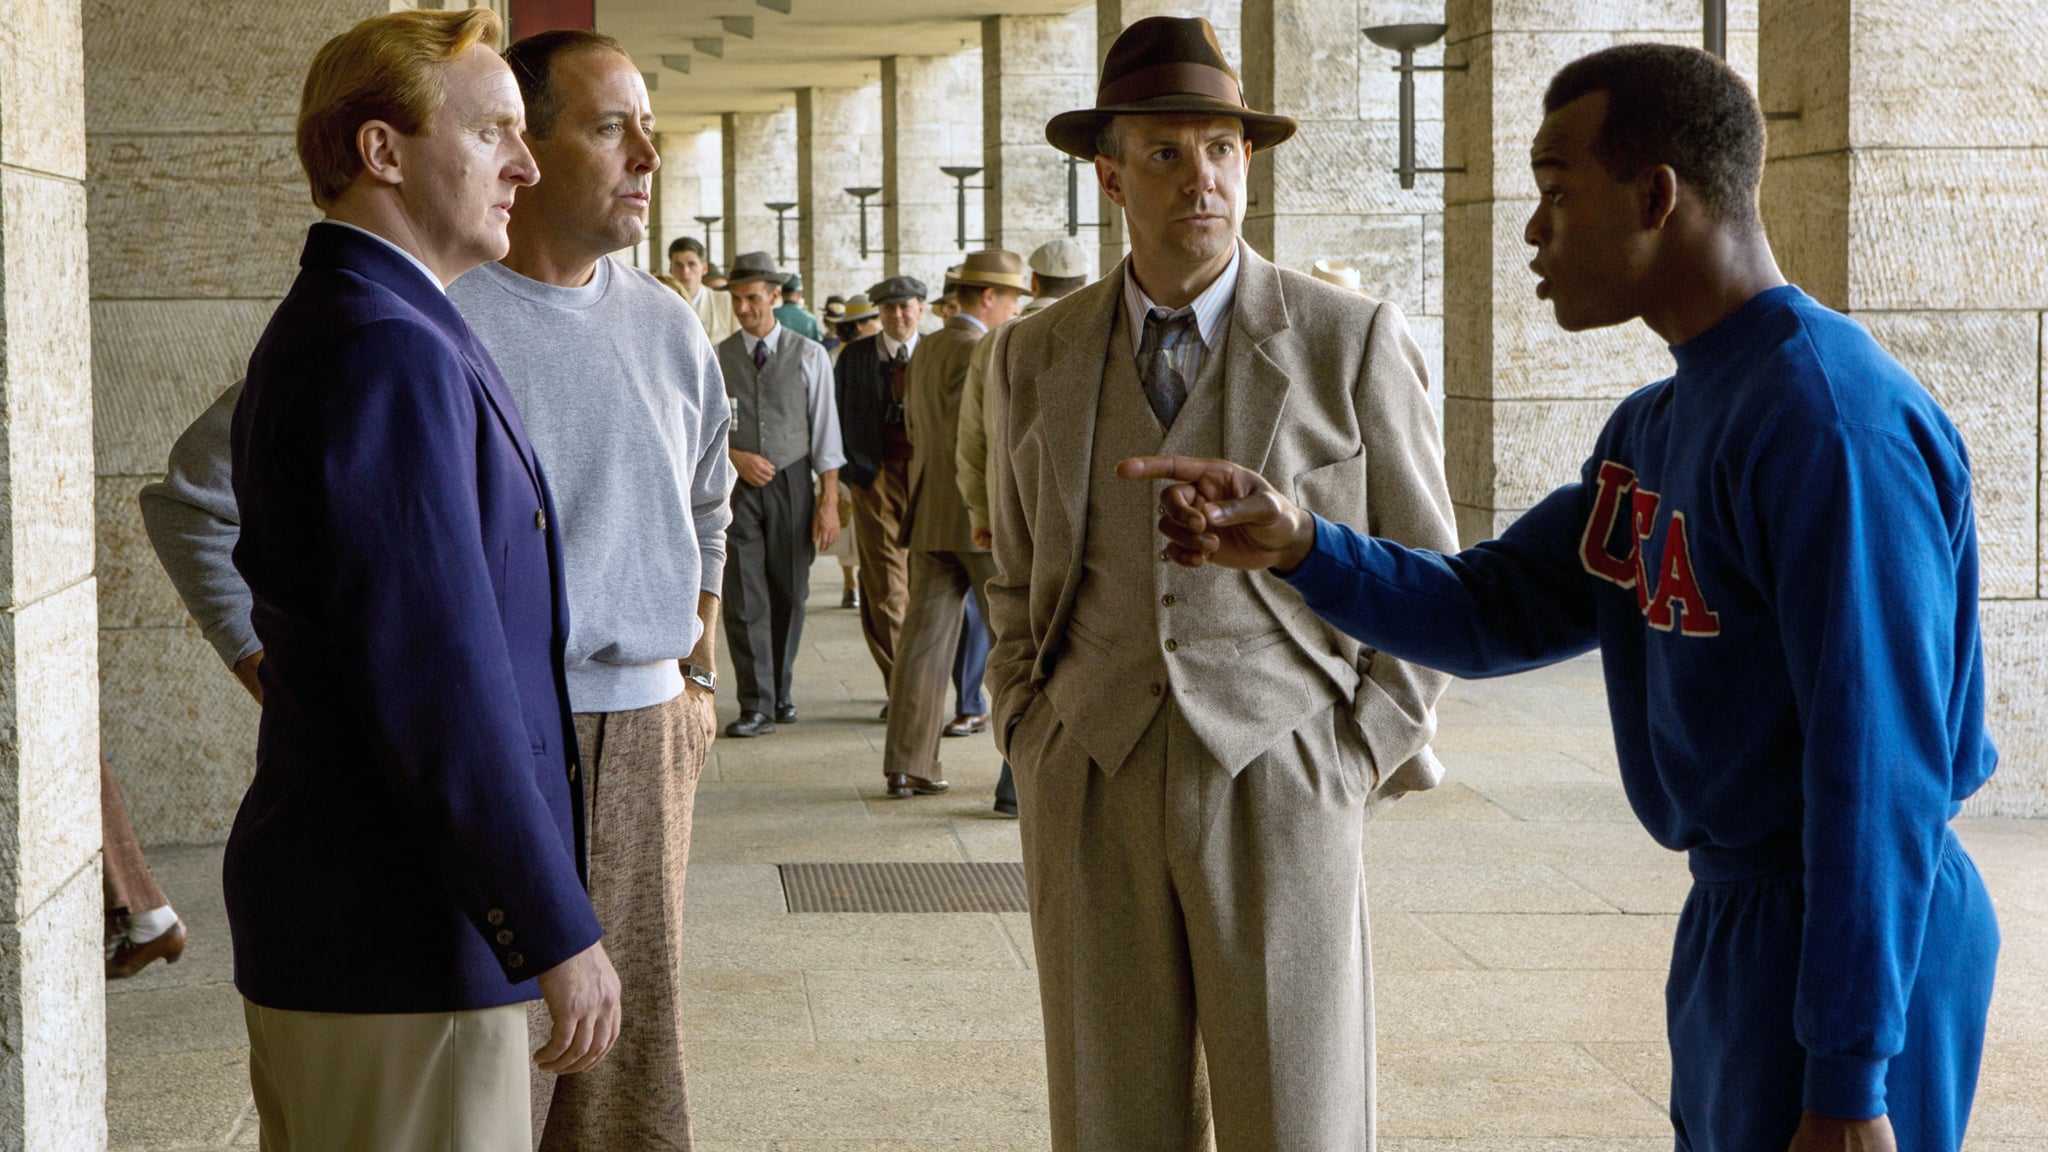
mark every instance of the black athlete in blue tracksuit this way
{"type": "Point", "coordinates": [1776, 554]}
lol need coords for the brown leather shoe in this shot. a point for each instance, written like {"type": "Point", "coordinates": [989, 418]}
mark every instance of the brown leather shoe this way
{"type": "Point", "coordinates": [902, 785]}
{"type": "Point", "coordinates": [128, 959]}
{"type": "Point", "coordinates": [966, 726]}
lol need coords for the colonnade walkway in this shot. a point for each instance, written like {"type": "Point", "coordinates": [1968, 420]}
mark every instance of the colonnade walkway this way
{"type": "Point", "coordinates": [1521, 922]}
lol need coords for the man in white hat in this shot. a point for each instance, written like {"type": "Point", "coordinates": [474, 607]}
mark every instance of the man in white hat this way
{"type": "Point", "coordinates": [946, 564]}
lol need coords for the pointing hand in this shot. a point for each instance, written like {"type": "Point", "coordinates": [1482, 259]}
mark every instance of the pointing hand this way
{"type": "Point", "coordinates": [1219, 513]}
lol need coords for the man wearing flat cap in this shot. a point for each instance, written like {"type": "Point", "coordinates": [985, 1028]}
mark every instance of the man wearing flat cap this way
{"type": "Point", "coordinates": [946, 563]}
{"type": "Point", "coordinates": [1196, 755]}
{"type": "Point", "coordinates": [785, 428]}
{"type": "Point", "coordinates": [872, 381]}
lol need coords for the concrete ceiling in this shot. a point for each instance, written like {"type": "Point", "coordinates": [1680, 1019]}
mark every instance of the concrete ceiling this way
{"type": "Point", "coordinates": [815, 45]}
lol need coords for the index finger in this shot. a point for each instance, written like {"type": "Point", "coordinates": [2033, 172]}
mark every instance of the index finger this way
{"type": "Point", "coordinates": [1187, 469]}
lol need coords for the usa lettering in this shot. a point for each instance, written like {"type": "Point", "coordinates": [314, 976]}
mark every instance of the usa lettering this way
{"type": "Point", "coordinates": [1674, 598]}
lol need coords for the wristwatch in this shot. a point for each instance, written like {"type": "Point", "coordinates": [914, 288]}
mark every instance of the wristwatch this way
{"type": "Point", "coordinates": [702, 677]}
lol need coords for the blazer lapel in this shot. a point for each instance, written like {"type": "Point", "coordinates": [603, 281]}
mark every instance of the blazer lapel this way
{"type": "Point", "coordinates": [1070, 391]}
{"type": "Point", "coordinates": [1254, 385]}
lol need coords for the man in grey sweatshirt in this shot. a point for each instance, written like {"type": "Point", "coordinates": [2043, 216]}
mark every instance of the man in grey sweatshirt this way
{"type": "Point", "coordinates": [622, 398]}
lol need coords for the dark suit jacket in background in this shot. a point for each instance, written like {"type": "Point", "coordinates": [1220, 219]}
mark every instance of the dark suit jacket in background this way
{"type": "Point", "coordinates": [861, 387]}
{"type": "Point", "coordinates": [413, 839]}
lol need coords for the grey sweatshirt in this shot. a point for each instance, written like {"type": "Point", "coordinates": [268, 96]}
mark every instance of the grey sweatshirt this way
{"type": "Point", "coordinates": [622, 398]}
{"type": "Point", "coordinates": [193, 525]}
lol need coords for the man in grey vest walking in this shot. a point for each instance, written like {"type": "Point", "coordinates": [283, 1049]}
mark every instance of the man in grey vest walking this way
{"type": "Point", "coordinates": [785, 429]}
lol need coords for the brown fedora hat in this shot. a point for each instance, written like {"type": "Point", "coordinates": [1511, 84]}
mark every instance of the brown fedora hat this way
{"type": "Point", "coordinates": [992, 268]}
{"type": "Point", "coordinates": [1163, 66]}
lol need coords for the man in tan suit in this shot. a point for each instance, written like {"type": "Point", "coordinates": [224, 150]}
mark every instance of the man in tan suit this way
{"type": "Point", "coordinates": [1196, 754]}
{"type": "Point", "coordinates": [946, 564]}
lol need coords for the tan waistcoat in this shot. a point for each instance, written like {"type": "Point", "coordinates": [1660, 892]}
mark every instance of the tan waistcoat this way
{"type": "Point", "coordinates": [1142, 628]}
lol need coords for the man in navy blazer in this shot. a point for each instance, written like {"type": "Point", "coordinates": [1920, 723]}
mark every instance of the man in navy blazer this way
{"type": "Point", "coordinates": [406, 869]}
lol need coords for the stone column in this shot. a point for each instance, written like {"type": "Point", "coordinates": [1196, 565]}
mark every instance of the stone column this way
{"type": "Point", "coordinates": [198, 211]}
{"type": "Point", "coordinates": [688, 185]}
{"type": "Point", "coordinates": [52, 1008]}
{"type": "Point", "coordinates": [1911, 191]}
{"type": "Point", "coordinates": [1331, 192]}
{"type": "Point", "coordinates": [1033, 68]}
{"type": "Point", "coordinates": [1111, 18]}
{"type": "Point", "coordinates": [1523, 399]}
{"type": "Point", "coordinates": [760, 169]}
{"type": "Point", "coordinates": [931, 118]}
{"type": "Point", "coordinates": [838, 146]}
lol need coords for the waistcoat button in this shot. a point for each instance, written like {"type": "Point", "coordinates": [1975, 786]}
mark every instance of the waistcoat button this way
{"type": "Point", "coordinates": [1172, 645]}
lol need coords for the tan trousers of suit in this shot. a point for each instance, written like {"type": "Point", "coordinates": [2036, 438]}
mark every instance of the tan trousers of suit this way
{"type": "Point", "coordinates": [940, 583]}
{"type": "Point", "coordinates": [640, 778]}
{"type": "Point", "coordinates": [884, 562]}
{"type": "Point", "coordinates": [1179, 912]}
{"type": "Point", "coordinates": [417, 1082]}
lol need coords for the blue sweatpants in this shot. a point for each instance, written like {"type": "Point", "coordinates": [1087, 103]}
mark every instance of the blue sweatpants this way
{"type": "Point", "coordinates": [1737, 1070]}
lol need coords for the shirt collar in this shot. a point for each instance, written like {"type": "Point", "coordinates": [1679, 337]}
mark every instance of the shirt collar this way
{"type": "Point", "coordinates": [889, 345]}
{"type": "Point", "coordinates": [1212, 307]}
{"type": "Point", "coordinates": [410, 258]}
{"type": "Point", "coordinates": [976, 321]}
{"type": "Point", "coordinates": [772, 339]}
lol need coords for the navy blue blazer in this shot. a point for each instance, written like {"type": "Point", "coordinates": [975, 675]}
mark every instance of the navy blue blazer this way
{"type": "Point", "coordinates": [864, 398]}
{"type": "Point", "coordinates": [413, 840]}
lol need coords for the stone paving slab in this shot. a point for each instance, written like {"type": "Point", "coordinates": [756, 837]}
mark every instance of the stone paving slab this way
{"type": "Point", "coordinates": [1521, 922]}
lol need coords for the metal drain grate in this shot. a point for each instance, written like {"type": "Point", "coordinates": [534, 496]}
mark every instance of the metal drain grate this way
{"type": "Point", "coordinates": [904, 887]}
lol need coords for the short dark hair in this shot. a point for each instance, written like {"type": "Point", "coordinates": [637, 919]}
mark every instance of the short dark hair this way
{"type": "Point", "coordinates": [1054, 287]}
{"type": "Point", "coordinates": [533, 63]}
{"type": "Point", "coordinates": [688, 244]}
{"type": "Point", "coordinates": [1669, 104]}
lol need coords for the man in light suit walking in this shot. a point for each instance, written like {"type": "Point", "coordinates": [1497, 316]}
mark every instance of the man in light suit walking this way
{"type": "Point", "coordinates": [1195, 753]}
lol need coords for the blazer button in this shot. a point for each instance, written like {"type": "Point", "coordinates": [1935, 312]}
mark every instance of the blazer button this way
{"type": "Point", "coordinates": [514, 960]}
{"type": "Point", "coordinates": [1156, 690]}
{"type": "Point", "coordinates": [540, 519]}
{"type": "Point", "coordinates": [495, 916]}
{"type": "Point", "coordinates": [1173, 645]}
{"type": "Point", "coordinates": [504, 935]}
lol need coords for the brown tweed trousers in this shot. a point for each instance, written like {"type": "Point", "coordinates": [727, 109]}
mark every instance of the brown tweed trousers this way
{"type": "Point", "coordinates": [640, 771]}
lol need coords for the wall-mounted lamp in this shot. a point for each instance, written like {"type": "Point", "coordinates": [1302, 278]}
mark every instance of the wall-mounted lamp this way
{"type": "Point", "coordinates": [781, 209]}
{"type": "Point", "coordinates": [862, 194]}
{"type": "Point", "coordinates": [1074, 224]}
{"type": "Point", "coordinates": [1714, 27]}
{"type": "Point", "coordinates": [1405, 39]}
{"type": "Point", "coordinates": [707, 222]}
{"type": "Point", "coordinates": [961, 175]}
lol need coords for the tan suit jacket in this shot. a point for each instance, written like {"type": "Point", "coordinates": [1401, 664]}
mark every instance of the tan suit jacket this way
{"type": "Point", "coordinates": [1325, 395]}
{"type": "Point", "coordinates": [937, 519]}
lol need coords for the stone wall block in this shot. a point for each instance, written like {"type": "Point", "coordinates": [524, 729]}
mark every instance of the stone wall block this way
{"type": "Point", "coordinates": [1308, 56]}
{"type": "Point", "coordinates": [42, 125]}
{"type": "Point", "coordinates": [53, 1048]}
{"type": "Point", "coordinates": [1536, 445]}
{"type": "Point", "coordinates": [180, 731]}
{"type": "Point", "coordinates": [1949, 228]}
{"type": "Point", "coordinates": [156, 366]}
{"type": "Point", "coordinates": [1984, 369]}
{"type": "Point", "coordinates": [2041, 391]}
{"type": "Point", "coordinates": [1338, 166]}
{"type": "Point", "coordinates": [1025, 45]}
{"type": "Point", "coordinates": [133, 590]}
{"type": "Point", "coordinates": [1803, 64]}
{"type": "Point", "coordinates": [1468, 120]}
{"type": "Point", "coordinates": [151, 68]}
{"type": "Point", "coordinates": [1031, 100]}
{"type": "Point", "coordinates": [1428, 334]}
{"type": "Point", "coordinates": [52, 767]}
{"type": "Point", "coordinates": [1432, 264]}
{"type": "Point", "coordinates": [1805, 207]}
{"type": "Point", "coordinates": [1468, 300]}
{"type": "Point", "coordinates": [1473, 17]}
{"type": "Point", "coordinates": [44, 350]}
{"type": "Point", "coordinates": [1386, 250]}
{"type": "Point", "coordinates": [183, 216]}
{"type": "Point", "coordinates": [2016, 710]}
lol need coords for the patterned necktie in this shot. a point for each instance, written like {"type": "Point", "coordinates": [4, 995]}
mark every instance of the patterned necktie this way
{"type": "Point", "coordinates": [1165, 390]}
{"type": "Point", "coordinates": [760, 354]}
{"type": "Point", "coordinates": [899, 371]}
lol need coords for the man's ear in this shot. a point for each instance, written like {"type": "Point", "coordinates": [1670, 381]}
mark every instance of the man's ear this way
{"type": "Point", "coordinates": [377, 147]}
{"type": "Point", "coordinates": [1659, 189]}
{"type": "Point", "coordinates": [1111, 178]}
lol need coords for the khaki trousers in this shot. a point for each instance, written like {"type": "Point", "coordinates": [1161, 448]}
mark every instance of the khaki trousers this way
{"type": "Point", "coordinates": [640, 771]}
{"type": "Point", "coordinates": [1178, 912]}
{"type": "Point", "coordinates": [417, 1082]}
{"type": "Point", "coordinates": [126, 885]}
{"type": "Point", "coordinates": [940, 583]}
{"type": "Point", "coordinates": [884, 561]}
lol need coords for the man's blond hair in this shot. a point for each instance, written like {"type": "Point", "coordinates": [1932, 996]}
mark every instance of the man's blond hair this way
{"type": "Point", "coordinates": [386, 68]}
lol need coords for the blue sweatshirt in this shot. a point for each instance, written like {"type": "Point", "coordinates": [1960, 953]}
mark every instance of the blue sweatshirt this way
{"type": "Point", "coordinates": [1776, 553]}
